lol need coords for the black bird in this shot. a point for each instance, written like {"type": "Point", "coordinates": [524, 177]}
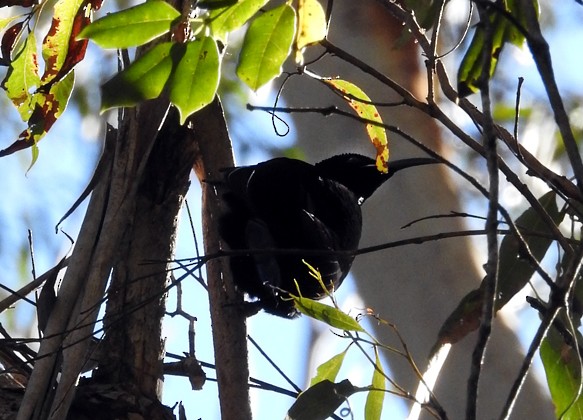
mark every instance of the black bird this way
{"type": "Point", "coordinates": [290, 204]}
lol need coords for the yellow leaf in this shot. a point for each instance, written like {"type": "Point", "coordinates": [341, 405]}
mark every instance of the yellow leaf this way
{"type": "Point", "coordinates": [311, 26]}
{"type": "Point", "coordinates": [361, 103]}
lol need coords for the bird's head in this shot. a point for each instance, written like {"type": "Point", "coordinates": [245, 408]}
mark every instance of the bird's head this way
{"type": "Point", "coordinates": [359, 173]}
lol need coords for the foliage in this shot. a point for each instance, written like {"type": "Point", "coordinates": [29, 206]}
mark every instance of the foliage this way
{"type": "Point", "coordinates": [183, 61]}
{"type": "Point", "coordinates": [40, 100]}
{"type": "Point", "coordinates": [501, 24]}
{"type": "Point", "coordinates": [187, 66]}
{"type": "Point", "coordinates": [363, 106]}
{"type": "Point", "coordinates": [562, 364]}
{"type": "Point", "coordinates": [515, 271]}
{"type": "Point", "coordinates": [324, 395]}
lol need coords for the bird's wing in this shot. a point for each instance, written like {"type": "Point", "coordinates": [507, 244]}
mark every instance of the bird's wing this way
{"type": "Point", "coordinates": [258, 236]}
{"type": "Point", "coordinates": [278, 186]}
{"type": "Point", "coordinates": [318, 236]}
{"type": "Point", "coordinates": [283, 200]}
{"type": "Point", "coordinates": [281, 271]}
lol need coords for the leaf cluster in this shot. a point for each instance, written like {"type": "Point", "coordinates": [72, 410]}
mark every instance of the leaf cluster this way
{"type": "Point", "coordinates": [41, 98]}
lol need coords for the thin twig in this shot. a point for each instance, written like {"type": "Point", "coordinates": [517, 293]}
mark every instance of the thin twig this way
{"type": "Point", "coordinates": [517, 116]}
{"type": "Point", "coordinates": [491, 279]}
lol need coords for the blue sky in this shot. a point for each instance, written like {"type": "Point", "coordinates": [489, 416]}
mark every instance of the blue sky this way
{"type": "Point", "coordinates": [37, 199]}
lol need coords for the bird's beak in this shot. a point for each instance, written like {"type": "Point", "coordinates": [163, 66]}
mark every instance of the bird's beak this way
{"type": "Point", "coordinates": [400, 164]}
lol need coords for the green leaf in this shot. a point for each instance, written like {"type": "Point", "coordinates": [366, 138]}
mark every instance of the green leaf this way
{"type": "Point", "coordinates": [61, 51]}
{"type": "Point", "coordinates": [515, 7]}
{"type": "Point", "coordinates": [374, 400]}
{"type": "Point", "coordinates": [144, 79]}
{"type": "Point", "coordinates": [319, 402]}
{"type": "Point", "coordinates": [267, 44]}
{"type": "Point", "coordinates": [46, 108]}
{"type": "Point", "coordinates": [513, 274]}
{"type": "Point", "coordinates": [329, 369]}
{"type": "Point", "coordinates": [506, 112]}
{"type": "Point", "coordinates": [5, 21]}
{"type": "Point", "coordinates": [59, 42]}
{"type": "Point", "coordinates": [325, 313]}
{"type": "Point", "coordinates": [132, 27]}
{"type": "Point", "coordinates": [22, 78]}
{"type": "Point", "coordinates": [515, 271]}
{"type": "Point", "coordinates": [361, 103]}
{"type": "Point", "coordinates": [57, 39]}
{"type": "Point", "coordinates": [34, 156]}
{"type": "Point", "coordinates": [196, 77]}
{"type": "Point", "coordinates": [471, 67]}
{"type": "Point", "coordinates": [502, 31]}
{"type": "Point", "coordinates": [563, 371]}
{"type": "Point", "coordinates": [226, 19]}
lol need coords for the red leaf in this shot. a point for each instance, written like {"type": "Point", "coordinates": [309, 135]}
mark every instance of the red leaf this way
{"type": "Point", "coordinates": [75, 52]}
{"type": "Point", "coordinates": [8, 41]}
{"type": "Point", "coordinates": [96, 5]}
{"type": "Point", "coordinates": [77, 49]}
{"type": "Point", "coordinates": [42, 119]}
{"type": "Point", "coordinates": [19, 144]}
{"type": "Point", "coordinates": [23, 3]}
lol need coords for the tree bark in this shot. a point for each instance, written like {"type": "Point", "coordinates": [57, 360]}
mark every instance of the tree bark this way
{"type": "Point", "coordinates": [226, 303]}
{"type": "Point", "coordinates": [136, 297]}
{"type": "Point", "coordinates": [72, 321]}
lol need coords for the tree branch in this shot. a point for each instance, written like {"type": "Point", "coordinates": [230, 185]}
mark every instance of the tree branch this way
{"type": "Point", "coordinates": [228, 319]}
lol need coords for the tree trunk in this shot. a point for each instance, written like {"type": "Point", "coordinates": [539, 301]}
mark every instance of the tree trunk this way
{"type": "Point", "coordinates": [107, 222]}
{"type": "Point", "coordinates": [136, 297]}
{"type": "Point", "coordinates": [129, 234]}
{"type": "Point", "coordinates": [226, 303]}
